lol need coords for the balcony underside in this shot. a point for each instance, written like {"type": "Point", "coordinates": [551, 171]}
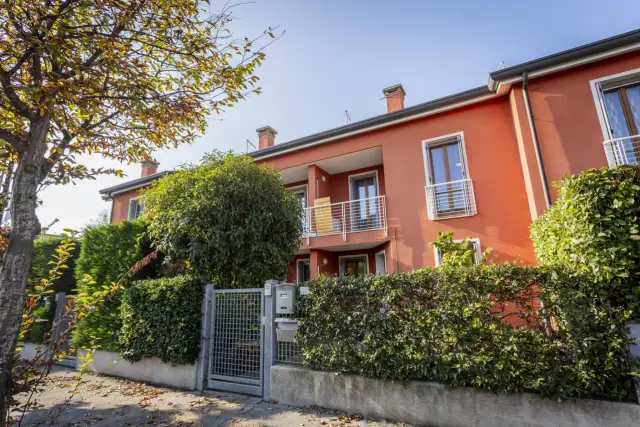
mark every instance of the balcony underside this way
{"type": "Point", "coordinates": [335, 242]}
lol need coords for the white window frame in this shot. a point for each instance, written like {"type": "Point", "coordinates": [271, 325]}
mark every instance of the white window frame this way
{"type": "Point", "coordinates": [343, 257]}
{"type": "Point", "coordinates": [129, 207]}
{"type": "Point", "coordinates": [373, 173]}
{"type": "Point", "coordinates": [475, 241]}
{"type": "Point", "coordinates": [298, 262]}
{"type": "Point", "coordinates": [384, 255]}
{"type": "Point", "coordinates": [299, 189]}
{"type": "Point", "coordinates": [628, 77]}
{"type": "Point", "coordinates": [426, 158]}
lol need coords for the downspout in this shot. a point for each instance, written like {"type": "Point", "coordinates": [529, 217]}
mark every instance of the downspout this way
{"type": "Point", "coordinates": [536, 141]}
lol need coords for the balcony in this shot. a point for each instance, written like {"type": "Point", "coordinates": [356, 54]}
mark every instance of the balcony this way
{"type": "Point", "coordinates": [346, 217]}
{"type": "Point", "coordinates": [450, 199]}
{"type": "Point", "coordinates": [623, 151]}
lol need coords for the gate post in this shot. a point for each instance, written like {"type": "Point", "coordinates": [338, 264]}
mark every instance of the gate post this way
{"type": "Point", "coordinates": [270, 345]}
{"type": "Point", "coordinates": [203, 363]}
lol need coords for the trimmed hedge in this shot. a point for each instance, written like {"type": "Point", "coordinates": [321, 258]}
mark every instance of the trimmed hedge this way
{"type": "Point", "coordinates": [478, 326]}
{"type": "Point", "coordinates": [594, 228]}
{"type": "Point", "coordinates": [162, 318]}
{"type": "Point", "coordinates": [44, 249]}
{"type": "Point", "coordinates": [108, 251]}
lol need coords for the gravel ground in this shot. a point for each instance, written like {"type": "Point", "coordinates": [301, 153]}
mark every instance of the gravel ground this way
{"type": "Point", "coordinates": [107, 401]}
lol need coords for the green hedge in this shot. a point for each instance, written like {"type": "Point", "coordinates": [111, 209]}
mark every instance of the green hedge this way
{"type": "Point", "coordinates": [594, 228]}
{"type": "Point", "coordinates": [44, 249]}
{"type": "Point", "coordinates": [162, 318]}
{"type": "Point", "coordinates": [454, 326]}
{"type": "Point", "coordinates": [108, 251]}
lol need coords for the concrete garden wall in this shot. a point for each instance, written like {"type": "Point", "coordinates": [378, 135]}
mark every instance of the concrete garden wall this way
{"type": "Point", "coordinates": [152, 370]}
{"type": "Point", "coordinates": [432, 404]}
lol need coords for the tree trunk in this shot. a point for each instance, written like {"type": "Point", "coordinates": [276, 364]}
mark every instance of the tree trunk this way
{"type": "Point", "coordinates": [17, 259]}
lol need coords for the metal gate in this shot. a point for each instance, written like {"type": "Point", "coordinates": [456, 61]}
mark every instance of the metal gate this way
{"type": "Point", "coordinates": [236, 347]}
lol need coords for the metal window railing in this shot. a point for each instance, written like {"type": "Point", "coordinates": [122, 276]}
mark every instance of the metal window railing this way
{"type": "Point", "coordinates": [623, 151]}
{"type": "Point", "coordinates": [346, 217]}
{"type": "Point", "coordinates": [450, 199]}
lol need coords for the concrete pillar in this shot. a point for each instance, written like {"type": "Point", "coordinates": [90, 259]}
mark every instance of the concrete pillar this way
{"type": "Point", "coordinates": [269, 342]}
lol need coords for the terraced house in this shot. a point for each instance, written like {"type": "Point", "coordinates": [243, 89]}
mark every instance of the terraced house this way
{"type": "Point", "coordinates": [480, 162]}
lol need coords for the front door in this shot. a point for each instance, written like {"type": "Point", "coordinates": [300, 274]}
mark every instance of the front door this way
{"type": "Point", "coordinates": [354, 266]}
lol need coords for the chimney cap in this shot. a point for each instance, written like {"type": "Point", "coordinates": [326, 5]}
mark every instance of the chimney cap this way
{"type": "Point", "coordinates": [391, 90]}
{"type": "Point", "coordinates": [150, 162]}
{"type": "Point", "coordinates": [266, 130]}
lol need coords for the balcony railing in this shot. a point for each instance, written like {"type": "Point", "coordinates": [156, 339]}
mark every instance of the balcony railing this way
{"type": "Point", "coordinates": [346, 217]}
{"type": "Point", "coordinates": [451, 199]}
{"type": "Point", "coordinates": [622, 151]}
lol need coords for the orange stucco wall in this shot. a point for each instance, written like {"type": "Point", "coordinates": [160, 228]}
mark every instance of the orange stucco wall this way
{"type": "Point", "coordinates": [121, 205]}
{"type": "Point", "coordinates": [566, 118]}
{"type": "Point", "coordinates": [493, 159]}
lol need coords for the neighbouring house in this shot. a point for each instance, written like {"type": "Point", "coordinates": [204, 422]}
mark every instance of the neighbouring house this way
{"type": "Point", "coordinates": [480, 162]}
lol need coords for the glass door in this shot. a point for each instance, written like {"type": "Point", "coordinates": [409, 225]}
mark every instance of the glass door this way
{"type": "Point", "coordinates": [364, 203]}
{"type": "Point", "coordinates": [623, 112]}
{"type": "Point", "coordinates": [446, 175]}
{"type": "Point", "coordinates": [354, 266]}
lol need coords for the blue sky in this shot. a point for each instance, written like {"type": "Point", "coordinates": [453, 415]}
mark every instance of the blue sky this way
{"type": "Point", "coordinates": [338, 55]}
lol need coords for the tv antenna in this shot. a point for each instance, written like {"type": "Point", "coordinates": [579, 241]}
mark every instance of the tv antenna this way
{"type": "Point", "coordinates": [250, 144]}
{"type": "Point", "coordinates": [500, 66]}
{"type": "Point", "coordinates": [346, 113]}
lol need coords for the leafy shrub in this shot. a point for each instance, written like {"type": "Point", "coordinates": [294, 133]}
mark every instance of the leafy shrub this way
{"type": "Point", "coordinates": [478, 326]}
{"type": "Point", "coordinates": [162, 318]}
{"type": "Point", "coordinates": [228, 219]}
{"type": "Point", "coordinates": [594, 227]}
{"type": "Point", "coordinates": [107, 251]}
{"type": "Point", "coordinates": [44, 249]}
{"type": "Point", "coordinates": [42, 321]}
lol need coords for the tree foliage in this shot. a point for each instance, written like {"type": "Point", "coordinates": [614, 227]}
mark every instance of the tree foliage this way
{"type": "Point", "coordinates": [118, 78]}
{"type": "Point", "coordinates": [480, 326]}
{"type": "Point", "coordinates": [44, 250]}
{"type": "Point", "coordinates": [594, 227]}
{"type": "Point", "coordinates": [107, 253]}
{"type": "Point", "coordinates": [162, 318]}
{"type": "Point", "coordinates": [229, 219]}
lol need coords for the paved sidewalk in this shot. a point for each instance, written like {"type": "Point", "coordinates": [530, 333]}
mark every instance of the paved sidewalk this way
{"type": "Point", "coordinates": [110, 402]}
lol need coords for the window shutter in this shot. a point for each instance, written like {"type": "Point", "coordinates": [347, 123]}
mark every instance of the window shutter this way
{"type": "Point", "coordinates": [462, 158]}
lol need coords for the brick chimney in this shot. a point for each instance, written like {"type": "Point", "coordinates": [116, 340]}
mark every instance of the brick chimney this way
{"type": "Point", "coordinates": [149, 167]}
{"type": "Point", "coordinates": [266, 137]}
{"type": "Point", "coordinates": [395, 97]}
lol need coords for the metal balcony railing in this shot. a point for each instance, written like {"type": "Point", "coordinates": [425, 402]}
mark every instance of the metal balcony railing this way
{"type": "Point", "coordinates": [622, 151]}
{"type": "Point", "coordinates": [450, 199]}
{"type": "Point", "coordinates": [346, 217]}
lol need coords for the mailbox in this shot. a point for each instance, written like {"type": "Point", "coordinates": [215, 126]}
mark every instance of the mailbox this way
{"type": "Point", "coordinates": [285, 298]}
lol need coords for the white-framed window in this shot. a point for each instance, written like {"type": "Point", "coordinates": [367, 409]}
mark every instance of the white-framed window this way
{"type": "Point", "coordinates": [302, 193]}
{"type": "Point", "coordinates": [477, 257]}
{"type": "Point", "coordinates": [303, 271]}
{"type": "Point", "coordinates": [354, 265]}
{"type": "Point", "coordinates": [136, 208]}
{"type": "Point", "coordinates": [381, 262]}
{"type": "Point", "coordinates": [617, 100]}
{"type": "Point", "coordinates": [364, 206]}
{"type": "Point", "coordinates": [449, 190]}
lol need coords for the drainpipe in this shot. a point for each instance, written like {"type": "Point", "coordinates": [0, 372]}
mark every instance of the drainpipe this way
{"type": "Point", "coordinates": [113, 201]}
{"type": "Point", "coordinates": [536, 141]}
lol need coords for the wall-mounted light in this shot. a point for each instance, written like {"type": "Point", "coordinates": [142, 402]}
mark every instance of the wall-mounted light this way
{"type": "Point", "coordinates": [324, 178]}
{"type": "Point", "coordinates": [325, 261]}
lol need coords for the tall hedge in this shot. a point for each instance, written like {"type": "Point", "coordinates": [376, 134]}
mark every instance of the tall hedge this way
{"type": "Point", "coordinates": [594, 227]}
{"type": "Point", "coordinates": [161, 318]}
{"type": "Point", "coordinates": [477, 326]}
{"type": "Point", "coordinates": [44, 248]}
{"type": "Point", "coordinates": [107, 251]}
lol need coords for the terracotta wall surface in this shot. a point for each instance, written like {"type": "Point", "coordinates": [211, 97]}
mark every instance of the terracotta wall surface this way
{"type": "Point", "coordinates": [566, 118]}
{"type": "Point", "coordinates": [493, 159]}
{"type": "Point", "coordinates": [121, 205]}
